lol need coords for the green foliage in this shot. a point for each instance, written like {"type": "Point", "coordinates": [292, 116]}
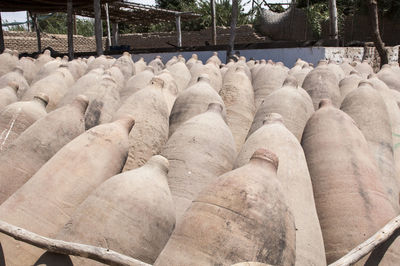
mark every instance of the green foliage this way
{"type": "Point", "coordinates": [317, 14]}
{"type": "Point", "coordinates": [57, 24]}
{"type": "Point", "coordinates": [178, 5]}
{"type": "Point", "coordinates": [16, 27]}
{"type": "Point", "coordinates": [276, 8]}
{"type": "Point", "coordinates": [85, 27]}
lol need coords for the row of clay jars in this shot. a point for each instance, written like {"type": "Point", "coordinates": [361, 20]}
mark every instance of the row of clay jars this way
{"type": "Point", "coordinates": [238, 96]}
{"type": "Point", "coordinates": [150, 133]}
{"type": "Point", "coordinates": [8, 95]}
{"type": "Point", "coordinates": [268, 78]}
{"type": "Point", "coordinates": [15, 76]}
{"type": "Point", "coordinates": [290, 101]}
{"type": "Point", "coordinates": [367, 108]}
{"type": "Point", "coordinates": [181, 74]}
{"type": "Point", "coordinates": [38, 143]}
{"type": "Point", "coordinates": [350, 198]}
{"type": "Point", "coordinates": [46, 202]}
{"type": "Point", "coordinates": [60, 84]}
{"type": "Point", "coordinates": [137, 221]}
{"type": "Point", "coordinates": [140, 65]}
{"type": "Point", "coordinates": [126, 65]}
{"type": "Point", "coordinates": [91, 79]}
{"type": "Point", "coordinates": [103, 101]}
{"type": "Point", "coordinates": [28, 67]}
{"type": "Point", "coordinates": [296, 184]}
{"type": "Point", "coordinates": [193, 101]}
{"type": "Point", "coordinates": [394, 117]}
{"type": "Point", "coordinates": [137, 82]}
{"type": "Point", "coordinates": [15, 118]}
{"type": "Point", "coordinates": [239, 216]}
{"type": "Point", "coordinates": [201, 149]}
{"type": "Point", "coordinates": [211, 69]}
{"type": "Point", "coordinates": [8, 60]}
{"type": "Point", "coordinates": [390, 77]}
{"type": "Point", "coordinates": [349, 83]}
{"type": "Point", "coordinates": [322, 83]}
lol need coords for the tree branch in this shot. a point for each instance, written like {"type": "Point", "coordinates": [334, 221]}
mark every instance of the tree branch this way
{"type": "Point", "coordinates": [67, 248]}
{"type": "Point", "coordinates": [393, 227]}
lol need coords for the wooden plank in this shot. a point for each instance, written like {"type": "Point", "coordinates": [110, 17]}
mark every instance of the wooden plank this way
{"type": "Point", "coordinates": [108, 25]}
{"type": "Point", "coordinates": [70, 30]}
{"type": "Point", "coordinates": [2, 47]}
{"type": "Point", "coordinates": [68, 248]}
{"type": "Point", "coordinates": [36, 26]}
{"type": "Point", "coordinates": [115, 34]}
{"type": "Point", "coordinates": [98, 28]}
{"type": "Point", "coordinates": [178, 30]}
{"type": "Point", "coordinates": [213, 24]}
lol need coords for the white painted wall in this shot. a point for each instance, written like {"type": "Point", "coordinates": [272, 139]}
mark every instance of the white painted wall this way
{"type": "Point", "coordinates": [288, 56]}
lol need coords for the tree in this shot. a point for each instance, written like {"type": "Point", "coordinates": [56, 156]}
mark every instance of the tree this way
{"type": "Point", "coordinates": [380, 46]}
{"type": "Point", "coordinates": [333, 20]}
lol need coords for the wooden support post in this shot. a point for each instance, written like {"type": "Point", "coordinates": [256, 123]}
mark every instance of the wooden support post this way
{"type": "Point", "coordinates": [75, 26]}
{"type": "Point", "coordinates": [213, 23]}
{"type": "Point", "coordinates": [36, 26]}
{"type": "Point", "coordinates": [70, 30]}
{"type": "Point", "coordinates": [235, 11]}
{"type": "Point", "coordinates": [114, 37]}
{"type": "Point", "coordinates": [102, 255]}
{"type": "Point", "coordinates": [108, 26]}
{"type": "Point", "coordinates": [28, 24]}
{"type": "Point", "coordinates": [391, 229]}
{"type": "Point", "coordinates": [2, 47]}
{"type": "Point", "coordinates": [98, 28]}
{"type": "Point", "coordinates": [333, 20]}
{"type": "Point", "coordinates": [178, 30]}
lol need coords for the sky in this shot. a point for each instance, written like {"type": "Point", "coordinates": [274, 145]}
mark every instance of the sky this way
{"type": "Point", "coordinates": [21, 16]}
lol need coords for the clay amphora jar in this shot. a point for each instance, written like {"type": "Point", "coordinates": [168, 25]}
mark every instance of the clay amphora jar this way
{"type": "Point", "coordinates": [46, 202]}
{"type": "Point", "coordinates": [126, 65]}
{"type": "Point", "coordinates": [367, 108]}
{"type": "Point", "coordinates": [322, 83]}
{"type": "Point", "coordinates": [240, 216]}
{"type": "Point", "coordinates": [296, 184]}
{"type": "Point", "coordinates": [15, 76]}
{"type": "Point", "coordinates": [213, 72]}
{"type": "Point", "coordinates": [8, 95]}
{"type": "Point", "coordinates": [181, 74]}
{"type": "Point", "coordinates": [18, 116]}
{"type": "Point", "coordinates": [140, 65]}
{"type": "Point", "coordinates": [291, 102]}
{"type": "Point", "coordinates": [268, 78]}
{"type": "Point", "coordinates": [137, 221]}
{"type": "Point", "coordinates": [103, 102]}
{"type": "Point", "coordinates": [137, 82]}
{"type": "Point", "coordinates": [38, 143]}
{"type": "Point", "coordinates": [201, 149]}
{"type": "Point", "coordinates": [349, 195]}
{"type": "Point", "coordinates": [193, 101]}
{"type": "Point", "coordinates": [238, 96]}
{"type": "Point", "coordinates": [150, 133]}
{"type": "Point", "coordinates": [349, 83]}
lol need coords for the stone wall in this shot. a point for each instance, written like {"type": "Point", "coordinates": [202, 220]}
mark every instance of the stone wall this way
{"type": "Point", "coordinates": [26, 42]}
{"type": "Point", "coordinates": [244, 34]}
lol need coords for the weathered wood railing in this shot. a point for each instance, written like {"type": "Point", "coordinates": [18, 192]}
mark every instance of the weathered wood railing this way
{"type": "Point", "coordinates": [111, 257]}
